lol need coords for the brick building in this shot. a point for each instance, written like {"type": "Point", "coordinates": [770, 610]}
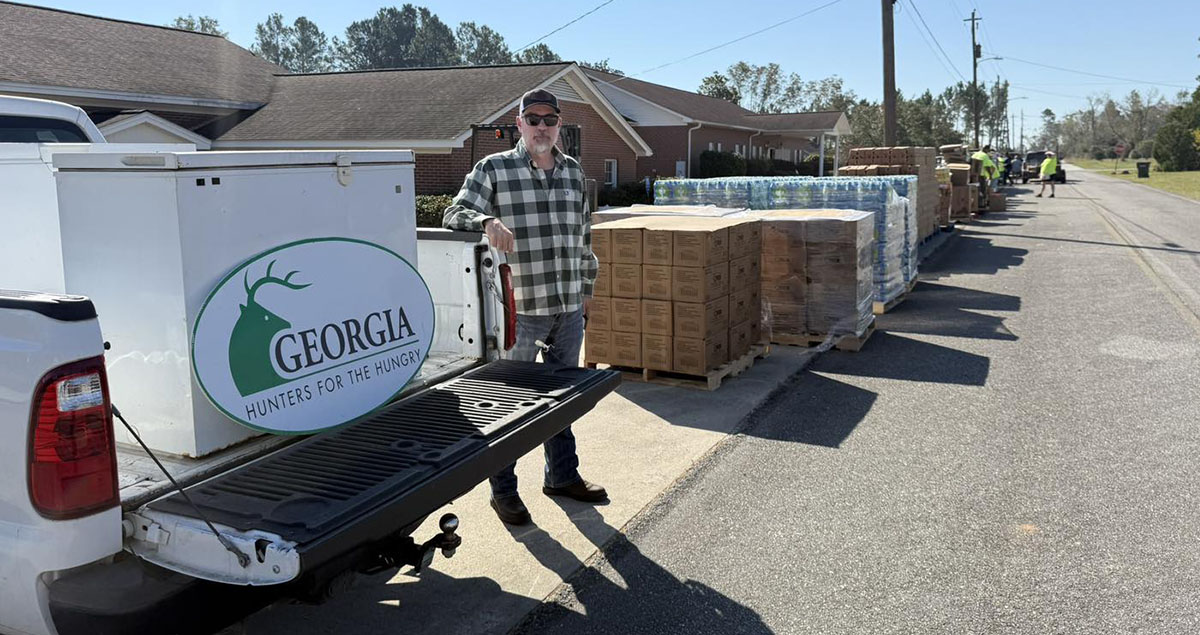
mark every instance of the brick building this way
{"type": "Point", "coordinates": [160, 84]}
{"type": "Point", "coordinates": [679, 125]}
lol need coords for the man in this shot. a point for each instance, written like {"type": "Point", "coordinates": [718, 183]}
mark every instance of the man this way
{"type": "Point", "coordinates": [1018, 165]}
{"type": "Point", "coordinates": [1047, 171]}
{"type": "Point", "coordinates": [1002, 168]}
{"type": "Point", "coordinates": [530, 203]}
{"type": "Point", "coordinates": [987, 172]}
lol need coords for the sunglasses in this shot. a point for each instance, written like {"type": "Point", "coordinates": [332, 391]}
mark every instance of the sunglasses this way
{"type": "Point", "coordinates": [534, 120]}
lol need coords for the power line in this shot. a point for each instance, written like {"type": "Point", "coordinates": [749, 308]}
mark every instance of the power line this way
{"type": "Point", "coordinates": [595, 9]}
{"type": "Point", "coordinates": [935, 40]}
{"type": "Point", "coordinates": [733, 41]}
{"type": "Point", "coordinates": [1100, 75]}
{"type": "Point", "coordinates": [930, 46]}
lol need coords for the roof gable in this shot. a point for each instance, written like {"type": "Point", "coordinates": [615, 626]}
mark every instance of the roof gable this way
{"type": "Point", "coordinates": [53, 48]}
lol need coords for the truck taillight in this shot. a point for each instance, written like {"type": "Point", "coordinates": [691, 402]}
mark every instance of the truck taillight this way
{"type": "Point", "coordinates": [72, 453]}
{"type": "Point", "coordinates": [510, 307]}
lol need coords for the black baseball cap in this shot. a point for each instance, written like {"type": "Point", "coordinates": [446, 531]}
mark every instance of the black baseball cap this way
{"type": "Point", "coordinates": [539, 96]}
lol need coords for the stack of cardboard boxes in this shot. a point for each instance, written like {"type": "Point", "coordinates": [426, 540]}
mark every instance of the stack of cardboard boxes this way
{"type": "Point", "coordinates": [918, 161]}
{"type": "Point", "coordinates": [675, 294]}
{"type": "Point", "coordinates": [816, 273]}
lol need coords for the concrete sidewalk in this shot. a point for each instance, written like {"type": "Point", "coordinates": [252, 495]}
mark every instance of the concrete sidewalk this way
{"type": "Point", "coordinates": [637, 443]}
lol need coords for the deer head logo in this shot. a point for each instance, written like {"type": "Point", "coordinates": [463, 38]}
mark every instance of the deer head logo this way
{"type": "Point", "coordinates": [250, 341]}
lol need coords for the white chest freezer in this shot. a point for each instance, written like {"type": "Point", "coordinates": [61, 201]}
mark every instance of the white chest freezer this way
{"type": "Point", "coordinates": [31, 253]}
{"type": "Point", "coordinates": [149, 236]}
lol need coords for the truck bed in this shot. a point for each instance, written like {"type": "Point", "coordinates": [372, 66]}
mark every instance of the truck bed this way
{"type": "Point", "coordinates": [141, 481]}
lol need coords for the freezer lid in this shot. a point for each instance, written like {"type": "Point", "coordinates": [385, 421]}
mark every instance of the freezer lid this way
{"type": "Point", "coordinates": [228, 159]}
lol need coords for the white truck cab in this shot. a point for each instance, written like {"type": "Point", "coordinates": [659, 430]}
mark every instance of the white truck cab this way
{"type": "Point", "coordinates": [94, 536]}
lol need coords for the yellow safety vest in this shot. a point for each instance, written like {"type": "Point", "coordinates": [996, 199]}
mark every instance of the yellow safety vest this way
{"type": "Point", "coordinates": [1049, 167]}
{"type": "Point", "coordinates": [987, 168]}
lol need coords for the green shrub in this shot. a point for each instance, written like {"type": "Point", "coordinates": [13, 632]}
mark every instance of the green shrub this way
{"type": "Point", "coordinates": [1175, 147]}
{"type": "Point", "coordinates": [430, 208]}
{"type": "Point", "coordinates": [625, 194]}
{"type": "Point", "coordinates": [713, 163]}
{"type": "Point", "coordinates": [758, 167]}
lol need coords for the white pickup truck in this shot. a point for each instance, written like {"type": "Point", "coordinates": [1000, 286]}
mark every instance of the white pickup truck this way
{"type": "Point", "coordinates": [94, 537]}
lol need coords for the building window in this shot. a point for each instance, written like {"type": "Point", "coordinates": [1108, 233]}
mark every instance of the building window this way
{"type": "Point", "coordinates": [610, 172]}
{"type": "Point", "coordinates": [710, 146]}
{"type": "Point", "coordinates": [718, 146]}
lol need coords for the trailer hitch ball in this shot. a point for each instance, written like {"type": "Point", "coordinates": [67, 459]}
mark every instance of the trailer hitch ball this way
{"type": "Point", "coordinates": [450, 538]}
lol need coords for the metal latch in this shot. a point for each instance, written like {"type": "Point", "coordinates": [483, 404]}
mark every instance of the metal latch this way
{"type": "Point", "coordinates": [144, 530]}
{"type": "Point", "coordinates": [344, 176]}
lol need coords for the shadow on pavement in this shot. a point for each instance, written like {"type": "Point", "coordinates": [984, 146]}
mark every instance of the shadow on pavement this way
{"type": "Point", "coordinates": [830, 409]}
{"type": "Point", "coordinates": [939, 309]}
{"type": "Point", "coordinates": [1168, 248]}
{"type": "Point", "coordinates": [648, 599]}
{"type": "Point", "coordinates": [891, 356]}
{"type": "Point", "coordinates": [972, 253]}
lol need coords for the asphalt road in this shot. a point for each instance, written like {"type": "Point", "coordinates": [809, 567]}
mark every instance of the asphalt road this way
{"type": "Point", "coordinates": [1014, 451]}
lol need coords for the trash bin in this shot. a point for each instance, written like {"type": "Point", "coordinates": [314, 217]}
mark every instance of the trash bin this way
{"type": "Point", "coordinates": [1143, 169]}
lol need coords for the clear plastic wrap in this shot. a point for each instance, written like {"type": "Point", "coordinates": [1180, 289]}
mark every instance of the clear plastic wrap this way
{"type": "Point", "coordinates": [897, 236]}
{"type": "Point", "coordinates": [817, 273]}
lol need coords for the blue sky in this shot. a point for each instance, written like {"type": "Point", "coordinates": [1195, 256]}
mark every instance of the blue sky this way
{"type": "Point", "coordinates": [1101, 36]}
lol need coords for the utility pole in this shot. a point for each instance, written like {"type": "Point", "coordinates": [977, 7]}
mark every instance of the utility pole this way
{"type": "Point", "coordinates": [889, 75]}
{"type": "Point", "coordinates": [1022, 131]}
{"type": "Point", "coordinates": [975, 55]}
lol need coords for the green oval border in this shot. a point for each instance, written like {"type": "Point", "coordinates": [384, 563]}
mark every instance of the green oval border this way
{"type": "Point", "coordinates": [256, 258]}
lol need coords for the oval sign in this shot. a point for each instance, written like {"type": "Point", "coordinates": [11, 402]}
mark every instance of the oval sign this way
{"type": "Point", "coordinates": [312, 335]}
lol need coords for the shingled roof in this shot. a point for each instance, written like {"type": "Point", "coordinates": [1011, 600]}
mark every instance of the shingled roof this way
{"type": "Point", "coordinates": [50, 47]}
{"type": "Point", "coordinates": [714, 110]}
{"type": "Point", "coordinates": [386, 105]}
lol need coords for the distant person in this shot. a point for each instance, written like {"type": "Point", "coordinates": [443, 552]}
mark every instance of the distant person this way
{"type": "Point", "coordinates": [987, 172]}
{"type": "Point", "coordinates": [1017, 166]}
{"type": "Point", "coordinates": [1002, 166]}
{"type": "Point", "coordinates": [1048, 170]}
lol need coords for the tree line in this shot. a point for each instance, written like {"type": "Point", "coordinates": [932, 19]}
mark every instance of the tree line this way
{"type": "Point", "coordinates": [409, 36]}
{"type": "Point", "coordinates": [927, 119]}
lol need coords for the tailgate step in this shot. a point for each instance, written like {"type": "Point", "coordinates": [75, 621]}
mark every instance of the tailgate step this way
{"type": "Point", "coordinates": [307, 490]}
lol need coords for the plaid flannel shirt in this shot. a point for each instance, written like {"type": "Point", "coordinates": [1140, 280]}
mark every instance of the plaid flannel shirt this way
{"type": "Point", "coordinates": [552, 262]}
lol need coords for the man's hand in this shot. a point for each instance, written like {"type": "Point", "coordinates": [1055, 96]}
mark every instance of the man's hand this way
{"type": "Point", "coordinates": [587, 305]}
{"type": "Point", "coordinates": [498, 235]}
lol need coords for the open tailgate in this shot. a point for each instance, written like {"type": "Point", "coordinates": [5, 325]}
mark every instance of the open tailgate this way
{"type": "Point", "coordinates": [320, 501]}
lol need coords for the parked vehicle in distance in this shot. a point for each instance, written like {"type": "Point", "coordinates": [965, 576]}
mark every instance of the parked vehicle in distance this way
{"type": "Point", "coordinates": [1033, 167]}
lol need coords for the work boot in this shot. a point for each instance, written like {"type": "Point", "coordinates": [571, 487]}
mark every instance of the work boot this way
{"type": "Point", "coordinates": [1052, 195]}
{"type": "Point", "coordinates": [580, 491]}
{"type": "Point", "coordinates": [1038, 195]}
{"type": "Point", "coordinates": [511, 510]}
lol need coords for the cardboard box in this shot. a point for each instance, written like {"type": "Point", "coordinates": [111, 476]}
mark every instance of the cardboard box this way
{"type": "Point", "coordinates": [656, 282]}
{"type": "Point", "coordinates": [693, 284]}
{"type": "Point", "coordinates": [657, 317]}
{"type": "Point", "coordinates": [597, 347]}
{"type": "Point", "coordinates": [626, 246]}
{"type": "Point", "coordinates": [996, 202]}
{"type": "Point", "coordinates": [657, 246]}
{"type": "Point", "coordinates": [602, 244]}
{"type": "Point", "coordinates": [698, 356]}
{"type": "Point", "coordinates": [960, 201]}
{"type": "Point", "coordinates": [600, 314]}
{"type": "Point", "coordinates": [973, 197]}
{"type": "Point", "coordinates": [658, 352]}
{"type": "Point", "coordinates": [626, 281]}
{"type": "Point", "coordinates": [960, 173]}
{"type": "Point", "coordinates": [603, 286]}
{"type": "Point", "coordinates": [701, 321]}
{"type": "Point", "coordinates": [740, 340]}
{"type": "Point", "coordinates": [743, 273]}
{"type": "Point", "coordinates": [745, 239]}
{"type": "Point", "coordinates": [756, 332]}
{"type": "Point", "coordinates": [627, 315]}
{"type": "Point", "coordinates": [626, 349]}
{"type": "Point", "coordinates": [741, 307]}
{"type": "Point", "coordinates": [699, 244]}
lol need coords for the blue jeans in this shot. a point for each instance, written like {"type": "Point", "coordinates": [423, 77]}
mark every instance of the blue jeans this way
{"type": "Point", "coordinates": [563, 336]}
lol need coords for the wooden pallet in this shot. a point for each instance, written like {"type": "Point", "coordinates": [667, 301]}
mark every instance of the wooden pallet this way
{"type": "Point", "coordinates": [708, 381]}
{"type": "Point", "coordinates": [879, 308]}
{"type": "Point", "coordinates": [849, 343]}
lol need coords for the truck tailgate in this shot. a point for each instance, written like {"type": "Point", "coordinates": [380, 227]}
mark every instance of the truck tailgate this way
{"type": "Point", "coordinates": [332, 494]}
